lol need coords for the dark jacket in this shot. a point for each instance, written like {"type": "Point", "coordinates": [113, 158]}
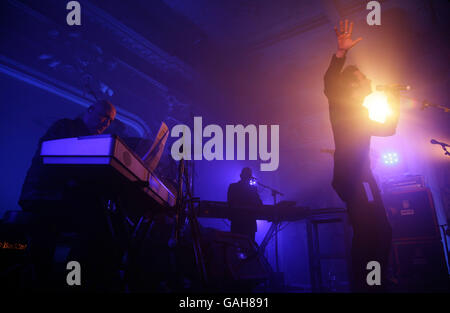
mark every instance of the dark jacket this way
{"type": "Point", "coordinates": [352, 130]}
{"type": "Point", "coordinates": [39, 183]}
{"type": "Point", "coordinates": [243, 195]}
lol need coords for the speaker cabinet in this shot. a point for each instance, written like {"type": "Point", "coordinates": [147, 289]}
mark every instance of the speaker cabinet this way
{"type": "Point", "coordinates": [233, 258]}
{"type": "Point", "coordinates": [419, 266]}
{"type": "Point", "coordinates": [412, 214]}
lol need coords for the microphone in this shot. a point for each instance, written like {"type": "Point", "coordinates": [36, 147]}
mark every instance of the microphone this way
{"type": "Point", "coordinates": [435, 142]}
{"type": "Point", "coordinates": [393, 87]}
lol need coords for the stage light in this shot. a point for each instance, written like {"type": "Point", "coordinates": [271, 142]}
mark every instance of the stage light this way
{"type": "Point", "coordinates": [390, 158]}
{"type": "Point", "coordinates": [378, 106]}
{"type": "Point", "coordinates": [242, 256]}
{"type": "Point", "coordinates": [252, 182]}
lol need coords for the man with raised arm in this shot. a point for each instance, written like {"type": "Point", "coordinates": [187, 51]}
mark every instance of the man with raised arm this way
{"type": "Point", "coordinates": [352, 178]}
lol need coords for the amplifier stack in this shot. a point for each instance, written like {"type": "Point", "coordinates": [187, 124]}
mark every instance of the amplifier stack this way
{"type": "Point", "coordinates": [418, 259]}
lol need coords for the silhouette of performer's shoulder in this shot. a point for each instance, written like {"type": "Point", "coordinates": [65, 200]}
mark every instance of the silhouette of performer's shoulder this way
{"type": "Point", "coordinates": [38, 184]}
{"type": "Point", "coordinates": [242, 193]}
{"type": "Point", "coordinates": [241, 187]}
{"type": "Point", "coordinates": [65, 128]}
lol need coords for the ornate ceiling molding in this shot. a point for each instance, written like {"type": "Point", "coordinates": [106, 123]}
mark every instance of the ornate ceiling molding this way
{"type": "Point", "coordinates": [42, 81]}
{"type": "Point", "coordinates": [137, 43]}
{"type": "Point", "coordinates": [37, 73]}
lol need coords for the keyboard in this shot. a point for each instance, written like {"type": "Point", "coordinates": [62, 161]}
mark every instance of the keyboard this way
{"type": "Point", "coordinates": [106, 158]}
{"type": "Point", "coordinates": [281, 212]}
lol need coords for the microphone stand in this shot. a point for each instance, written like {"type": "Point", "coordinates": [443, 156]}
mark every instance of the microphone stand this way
{"type": "Point", "coordinates": [275, 223]}
{"type": "Point", "coordinates": [444, 147]}
{"type": "Point", "coordinates": [426, 104]}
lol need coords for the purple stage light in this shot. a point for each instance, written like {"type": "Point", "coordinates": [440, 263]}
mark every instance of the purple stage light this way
{"type": "Point", "coordinates": [390, 158]}
{"type": "Point", "coordinates": [242, 256]}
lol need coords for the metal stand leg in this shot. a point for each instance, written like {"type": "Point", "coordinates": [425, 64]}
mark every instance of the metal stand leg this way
{"type": "Point", "coordinates": [192, 219]}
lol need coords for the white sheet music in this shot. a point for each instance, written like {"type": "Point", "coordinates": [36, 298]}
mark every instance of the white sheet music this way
{"type": "Point", "coordinates": [153, 155]}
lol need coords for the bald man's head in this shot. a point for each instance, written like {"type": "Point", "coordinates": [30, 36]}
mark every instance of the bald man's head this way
{"type": "Point", "coordinates": [246, 174]}
{"type": "Point", "coordinates": [99, 116]}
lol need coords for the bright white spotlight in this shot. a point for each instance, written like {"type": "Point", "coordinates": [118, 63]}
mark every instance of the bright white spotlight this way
{"type": "Point", "coordinates": [390, 158]}
{"type": "Point", "coordinates": [252, 182]}
{"type": "Point", "coordinates": [378, 106]}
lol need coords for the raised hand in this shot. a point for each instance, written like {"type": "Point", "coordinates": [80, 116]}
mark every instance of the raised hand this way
{"type": "Point", "coordinates": [344, 38]}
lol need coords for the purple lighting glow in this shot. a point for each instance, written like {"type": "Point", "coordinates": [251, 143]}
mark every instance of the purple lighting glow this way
{"type": "Point", "coordinates": [390, 158]}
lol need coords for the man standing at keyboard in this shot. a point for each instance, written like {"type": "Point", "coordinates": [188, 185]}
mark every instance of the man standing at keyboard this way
{"type": "Point", "coordinates": [352, 177]}
{"type": "Point", "coordinates": [242, 195]}
{"type": "Point", "coordinates": [59, 204]}
{"type": "Point", "coordinates": [38, 186]}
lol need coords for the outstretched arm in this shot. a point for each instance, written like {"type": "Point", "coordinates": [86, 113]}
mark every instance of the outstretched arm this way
{"type": "Point", "coordinates": [344, 38]}
{"type": "Point", "coordinates": [344, 43]}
